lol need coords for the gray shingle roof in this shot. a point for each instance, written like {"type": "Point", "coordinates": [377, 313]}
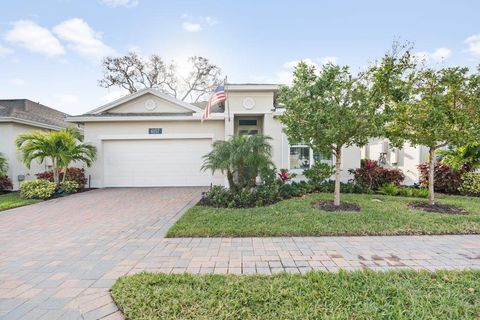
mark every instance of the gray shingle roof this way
{"type": "Point", "coordinates": [24, 109]}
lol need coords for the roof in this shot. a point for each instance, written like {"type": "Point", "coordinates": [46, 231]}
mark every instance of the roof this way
{"type": "Point", "coordinates": [139, 93]}
{"type": "Point", "coordinates": [133, 114]}
{"type": "Point", "coordinates": [32, 113]}
{"type": "Point", "coordinates": [252, 87]}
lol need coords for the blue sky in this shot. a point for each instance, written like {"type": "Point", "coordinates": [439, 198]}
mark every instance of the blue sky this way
{"type": "Point", "coordinates": [50, 50]}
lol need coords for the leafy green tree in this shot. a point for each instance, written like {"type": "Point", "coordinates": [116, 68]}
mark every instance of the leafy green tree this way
{"type": "Point", "coordinates": [428, 107]}
{"type": "Point", "coordinates": [329, 109]}
{"type": "Point", "coordinates": [241, 158]}
{"type": "Point", "coordinates": [459, 157]}
{"type": "Point", "coordinates": [3, 165]}
{"type": "Point", "coordinates": [61, 147]}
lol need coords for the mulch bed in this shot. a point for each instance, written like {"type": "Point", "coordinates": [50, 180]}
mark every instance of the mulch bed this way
{"type": "Point", "coordinates": [438, 208]}
{"type": "Point", "coordinates": [330, 207]}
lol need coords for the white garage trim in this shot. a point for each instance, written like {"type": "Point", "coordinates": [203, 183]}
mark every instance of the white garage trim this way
{"type": "Point", "coordinates": [170, 136]}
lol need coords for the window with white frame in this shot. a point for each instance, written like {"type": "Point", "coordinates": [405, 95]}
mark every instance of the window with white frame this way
{"type": "Point", "coordinates": [302, 157]}
{"type": "Point", "coordinates": [299, 157]}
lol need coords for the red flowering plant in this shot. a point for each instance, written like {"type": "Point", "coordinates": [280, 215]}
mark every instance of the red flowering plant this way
{"type": "Point", "coordinates": [285, 176]}
{"type": "Point", "coordinates": [372, 176]}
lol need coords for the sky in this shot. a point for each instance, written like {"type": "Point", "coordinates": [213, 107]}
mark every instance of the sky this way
{"type": "Point", "coordinates": [51, 50]}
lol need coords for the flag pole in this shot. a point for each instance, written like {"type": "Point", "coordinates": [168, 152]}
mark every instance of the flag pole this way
{"type": "Point", "coordinates": [226, 98]}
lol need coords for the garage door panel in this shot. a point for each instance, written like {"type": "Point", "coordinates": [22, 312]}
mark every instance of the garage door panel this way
{"type": "Point", "coordinates": [140, 163]}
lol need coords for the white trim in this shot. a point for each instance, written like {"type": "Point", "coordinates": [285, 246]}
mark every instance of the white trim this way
{"type": "Point", "coordinates": [253, 87]}
{"type": "Point", "coordinates": [142, 92]}
{"type": "Point", "coordinates": [171, 136]}
{"type": "Point", "coordinates": [30, 123]}
{"type": "Point", "coordinates": [86, 118]}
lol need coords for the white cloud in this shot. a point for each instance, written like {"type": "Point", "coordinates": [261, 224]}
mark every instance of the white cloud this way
{"type": "Point", "coordinates": [4, 51]}
{"type": "Point", "coordinates": [120, 3]}
{"type": "Point", "coordinates": [210, 21]}
{"type": "Point", "coordinates": [328, 59]}
{"type": "Point", "coordinates": [82, 39]}
{"type": "Point", "coordinates": [437, 55]}
{"type": "Point", "coordinates": [191, 27]}
{"type": "Point", "coordinates": [473, 43]}
{"type": "Point", "coordinates": [35, 38]}
{"type": "Point", "coordinates": [16, 82]}
{"type": "Point", "coordinates": [196, 24]}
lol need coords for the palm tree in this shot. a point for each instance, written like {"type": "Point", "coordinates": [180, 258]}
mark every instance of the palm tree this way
{"type": "Point", "coordinates": [3, 165]}
{"type": "Point", "coordinates": [61, 147]}
{"type": "Point", "coordinates": [241, 156]}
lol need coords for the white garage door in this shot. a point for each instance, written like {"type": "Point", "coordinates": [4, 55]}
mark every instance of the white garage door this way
{"type": "Point", "coordinates": [148, 163]}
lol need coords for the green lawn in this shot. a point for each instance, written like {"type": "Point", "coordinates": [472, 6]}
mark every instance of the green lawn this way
{"type": "Point", "coordinates": [13, 200]}
{"type": "Point", "coordinates": [297, 217]}
{"type": "Point", "coordinates": [316, 295]}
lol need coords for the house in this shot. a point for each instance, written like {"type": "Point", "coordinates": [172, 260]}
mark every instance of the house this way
{"type": "Point", "coordinates": [21, 116]}
{"type": "Point", "coordinates": [406, 159]}
{"type": "Point", "coordinates": [152, 139]}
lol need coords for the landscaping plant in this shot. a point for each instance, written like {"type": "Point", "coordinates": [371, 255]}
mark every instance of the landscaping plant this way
{"type": "Point", "coordinates": [37, 189]}
{"type": "Point", "coordinates": [447, 180]}
{"type": "Point", "coordinates": [242, 158]}
{"type": "Point", "coordinates": [61, 147]}
{"type": "Point", "coordinates": [318, 173]}
{"type": "Point", "coordinates": [73, 174]}
{"type": "Point", "coordinates": [330, 109]}
{"type": "Point", "coordinates": [5, 182]}
{"type": "Point", "coordinates": [470, 183]}
{"type": "Point", "coordinates": [372, 176]}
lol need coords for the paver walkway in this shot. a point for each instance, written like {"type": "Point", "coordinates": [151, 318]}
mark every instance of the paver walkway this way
{"type": "Point", "coordinates": [59, 258]}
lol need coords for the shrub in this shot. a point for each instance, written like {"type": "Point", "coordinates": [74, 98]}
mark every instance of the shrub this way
{"type": "Point", "coordinates": [286, 176]}
{"type": "Point", "coordinates": [372, 176]}
{"type": "Point", "coordinates": [329, 186]}
{"type": "Point", "coordinates": [446, 179]}
{"type": "Point", "coordinates": [470, 183]}
{"type": "Point", "coordinates": [69, 187]}
{"type": "Point", "coordinates": [318, 173]}
{"type": "Point", "coordinates": [73, 174]}
{"type": "Point", "coordinates": [37, 189]}
{"type": "Point", "coordinates": [391, 189]}
{"type": "Point", "coordinates": [5, 183]}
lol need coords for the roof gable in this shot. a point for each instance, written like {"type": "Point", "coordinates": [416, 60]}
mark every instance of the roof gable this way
{"type": "Point", "coordinates": [147, 101]}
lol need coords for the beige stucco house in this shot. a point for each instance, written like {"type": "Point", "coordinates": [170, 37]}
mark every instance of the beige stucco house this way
{"type": "Point", "coordinates": [21, 116]}
{"type": "Point", "coordinates": [152, 139]}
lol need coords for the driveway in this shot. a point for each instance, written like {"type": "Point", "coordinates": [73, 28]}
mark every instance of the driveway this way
{"type": "Point", "coordinates": [59, 258]}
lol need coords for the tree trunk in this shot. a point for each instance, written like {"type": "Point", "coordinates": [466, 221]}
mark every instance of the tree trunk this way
{"type": "Point", "coordinates": [431, 176]}
{"type": "Point", "coordinates": [240, 177]}
{"type": "Point", "coordinates": [231, 183]}
{"type": "Point", "coordinates": [55, 171]}
{"type": "Point", "coordinates": [338, 163]}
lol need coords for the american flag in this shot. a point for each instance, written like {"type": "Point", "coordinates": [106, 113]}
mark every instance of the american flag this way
{"type": "Point", "coordinates": [217, 97]}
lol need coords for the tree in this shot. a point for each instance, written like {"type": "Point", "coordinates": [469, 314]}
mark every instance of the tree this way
{"type": "Point", "coordinates": [241, 158]}
{"type": "Point", "coordinates": [467, 156]}
{"type": "Point", "coordinates": [436, 108]}
{"type": "Point", "coordinates": [61, 147]}
{"type": "Point", "coordinates": [329, 110]}
{"type": "Point", "coordinates": [132, 73]}
{"type": "Point", "coordinates": [3, 165]}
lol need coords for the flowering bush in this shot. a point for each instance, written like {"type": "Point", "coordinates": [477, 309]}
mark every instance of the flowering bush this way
{"type": "Point", "coordinates": [37, 189]}
{"type": "Point", "coordinates": [5, 183]}
{"type": "Point", "coordinates": [69, 186]}
{"type": "Point", "coordinates": [372, 176]}
{"type": "Point", "coordinates": [446, 179]}
{"type": "Point", "coordinates": [73, 174]}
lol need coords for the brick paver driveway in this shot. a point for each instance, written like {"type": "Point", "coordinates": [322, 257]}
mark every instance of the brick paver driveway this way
{"type": "Point", "coordinates": [59, 258]}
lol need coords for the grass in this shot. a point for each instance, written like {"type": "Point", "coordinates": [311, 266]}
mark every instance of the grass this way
{"type": "Point", "coordinates": [297, 217]}
{"type": "Point", "coordinates": [13, 200]}
{"type": "Point", "coordinates": [316, 295]}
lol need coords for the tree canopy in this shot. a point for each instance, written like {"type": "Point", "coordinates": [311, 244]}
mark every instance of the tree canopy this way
{"type": "Point", "coordinates": [133, 72]}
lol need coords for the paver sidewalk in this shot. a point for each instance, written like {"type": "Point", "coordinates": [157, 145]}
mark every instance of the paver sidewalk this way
{"type": "Point", "coordinates": [59, 258]}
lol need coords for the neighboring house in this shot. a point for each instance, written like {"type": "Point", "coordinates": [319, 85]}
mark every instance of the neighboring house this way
{"type": "Point", "coordinates": [21, 116]}
{"type": "Point", "coordinates": [406, 159]}
{"type": "Point", "coordinates": [152, 139]}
